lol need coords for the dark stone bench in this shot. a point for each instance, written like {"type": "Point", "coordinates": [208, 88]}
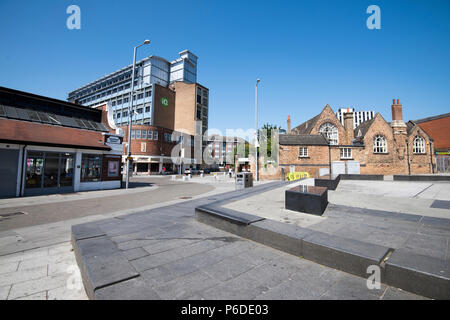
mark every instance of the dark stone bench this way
{"type": "Point", "coordinates": [308, 199]}
{"type": "Point", "coordinates": [329, 181]}
{"type": "Point", "coordinates": [361, 177]}
{"type": "Point", "coordinates": [421, 178]}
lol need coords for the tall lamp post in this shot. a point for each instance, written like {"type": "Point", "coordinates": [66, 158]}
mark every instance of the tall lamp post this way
{"type": "Point", "coordinates": [130, 109]}
{"type": "Point", "coordinates": [256, 127]}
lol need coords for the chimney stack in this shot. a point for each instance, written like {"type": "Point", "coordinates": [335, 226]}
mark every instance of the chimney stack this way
{"type": "Point", "coordinates": [289, 125]}
{"type": "Point", "coordinates": [397, 123]}
{"type": "Point", "coordinates": [397, 110]}
{"type": "Point", "coordinates": [348, 125]}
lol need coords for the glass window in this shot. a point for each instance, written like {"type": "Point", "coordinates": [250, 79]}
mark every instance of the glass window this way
{"type": "Point", "coordinates": [35, 166]}
{"type": "Point", "coordinates": [155, 135]}
{"type": "Point", "coordinates": [303, 152]}
{"type": "Point", "coordinates": [113, 168]}
{"type": "Point", "coordinates": [138, 134]}
{"type": "Point", "coordinates": [118, 115]}
{"type": "Point", "coordinates": [144, 134]}
{"type": "Point", "coordinates": [125, 113]}
{"type": "Point", "coordinates": [379, 144]}
{"type": "Point", "coordinates": [150, 134]}
{"type": "Point", "coordinates": [199, 99]}
{"type": "Point", "coordinates": [132, 134]}
{"type": "Point", "coordinates": [66, 170]}
{"type": "Point", "coordinates": [419, 145]}
{"type": "Point", "coordinates": [330, 131]}
{"type": "Point", "coordinates": [346, 153]}
{"type": "Point", "coordinates": [91, 167]}
{"type": "Point", "coordinates": [147, 109]}
{"type": "Point", "coordinates": [51, 165]}
{"type": "Point", "coordinates": [148, 94]}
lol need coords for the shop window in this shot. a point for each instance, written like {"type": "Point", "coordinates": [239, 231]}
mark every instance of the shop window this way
{"type": "Point", "coordinates": [113, 168]}
{"type": "Point", "coordinates": [91, 167]}
{"type": "Point", "coordinates": [35, 168]}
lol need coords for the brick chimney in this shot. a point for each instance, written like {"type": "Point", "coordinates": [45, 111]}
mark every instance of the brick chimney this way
{"type": "Point", "coordinates": [348, 125]}
{"type": "Point", "coordinates": [397, 117]}
{"type": "Point", "coordinates": [289, 125]}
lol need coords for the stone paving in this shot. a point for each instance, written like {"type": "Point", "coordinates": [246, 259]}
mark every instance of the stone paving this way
{"type": "Point", "coordinates": [37, 262]}
{"type": "Point", "coordinates": [179, 258]}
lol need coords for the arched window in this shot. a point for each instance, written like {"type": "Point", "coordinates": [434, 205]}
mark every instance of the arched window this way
{"type": "Point", "coordinates": [419, 145]}
{"type": "Point", "coordinates": [379, 144]}
{"type": "Point", "coordinates": [330, 131]}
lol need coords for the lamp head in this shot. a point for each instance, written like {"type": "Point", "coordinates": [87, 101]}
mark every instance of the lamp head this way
{"type": "Point", "coordinates": [146, 41]}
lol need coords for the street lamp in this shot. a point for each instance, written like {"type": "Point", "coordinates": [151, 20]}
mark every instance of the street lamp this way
{"type": "Point", "coordinates": [256, 127]}
{"type": "Point", "coordinates": [130, 107]}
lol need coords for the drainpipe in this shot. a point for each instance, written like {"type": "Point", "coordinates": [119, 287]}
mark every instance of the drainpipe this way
{"type": "Point", "coordinates": [407, 157]}
{"type": "Point", "coordinates": [21, 172]}
{"type": "Point", "coordinates": [329, 158]}
{"type": "Point", "coordinates": [431, 160]}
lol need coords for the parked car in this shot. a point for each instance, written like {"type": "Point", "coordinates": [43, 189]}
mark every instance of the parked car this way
{"type": "Point", "coordinates": [191, 171]}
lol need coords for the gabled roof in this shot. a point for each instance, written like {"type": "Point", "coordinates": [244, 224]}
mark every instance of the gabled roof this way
{"type": "Point", "coordinates": [361, 130]}
{"type": "Point", "coordinates": [306, 127]}
{"type": "Point", "coordinates": [445, 115]}
{"type": "Point", "coordinates": [303, 140]}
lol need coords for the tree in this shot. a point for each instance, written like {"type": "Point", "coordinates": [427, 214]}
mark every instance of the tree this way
{"type": "Point", "coordinates": [265, 138]}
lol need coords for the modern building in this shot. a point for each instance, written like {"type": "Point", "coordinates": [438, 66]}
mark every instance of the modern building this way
{"type": "Point", "coordinates": [377, 146]}
{"type": "Point", "coordinates": [221, 149]}
{"type": "Point", "coordinates": [167, 102]}
{"type": "Point", "coordinates": [358, 116]}
{"type": "Point", "coordinates": [53, 146]}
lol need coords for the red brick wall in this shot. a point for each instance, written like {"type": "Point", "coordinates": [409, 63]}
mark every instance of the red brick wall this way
{"type": "Point", "coordinates": [153, 147]}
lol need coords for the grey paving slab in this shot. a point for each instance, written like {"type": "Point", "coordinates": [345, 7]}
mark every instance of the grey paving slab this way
{"type": "Point", "coordinates": [86, 230]}
{"type": "Point", "coordinates": [419, 274]}
{"type": "Point", "coordinates": [133, 289]}
{"type": "Point", "coordinates": [441, 204]}
{"type": "Point", "coordinates": [135, 253]}
{"type": "Point", "coordinates": [104, 270]}
{"type": "Point", "coordinates": [4, 291]}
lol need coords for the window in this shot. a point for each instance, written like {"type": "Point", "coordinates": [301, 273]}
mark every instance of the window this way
{"type": "Point", "coordinates": [119, 101]}
{"type": "Point", "coordinates": [144, 134]}
{"type": "Point", "coordinates": [113, 168]}
{"type": "Point", "coordinates": [303, 152]}
{"type": "Point", "coordinates": [132, 134]}
{"type": "Point", "coordinates": [419, 145]}
{"type": "Point", "coordinates": [330, 131]}
{"type": "Point", "coordinates": [379, 144]}
{"type": "Point", "coordinates": [118, 115]}
{"type": "Point", "coordinates": [167, 137]}
{"type": "Point", "coordinates": [147, 109]}
{"type": "Point", "coordinates": [139, 111]}
{"type": "Point", "coordinates": [346, 153]}
{"type": "Point", "coordinates": [140, 95]}
{"type": "Point", "coordinates": [199, 99]}
{"type": "Point", "coordinates": [150, 134]}
{"type": "Point", "coordinates": [138, 134]}
{"type": "Point", "coordinates": [148, 94]}
{"type": "Point", "coordinates": [155, 135]}
{"type": "Point", "coordinates": [199, 112]}
{"type": "Point", "coordinates": [125, 114]}
{"type": "Point", "coordinates": [91, 167]}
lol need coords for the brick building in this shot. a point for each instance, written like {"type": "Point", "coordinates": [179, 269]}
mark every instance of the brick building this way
{"type": "Point", "coordinates": [438, 127]}
{"type": "Point", "coordinates": [380, 147]}
{"type": "Point", "coordinates": [167, 103]}
{"type": "Point", "coordinates": [53, 146]}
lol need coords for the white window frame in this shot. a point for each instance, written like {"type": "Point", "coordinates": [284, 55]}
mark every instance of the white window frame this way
{"type": "Point", "coordinates": [379, 144]}
{"type": "Point", "coordinates": [331, 132]}
{"type": "Point", "coordinates": [419, 145]}
{"type": "Point", "coordinates": [346, 153]}
{"type": "Point", "coordinates": [303, 152]}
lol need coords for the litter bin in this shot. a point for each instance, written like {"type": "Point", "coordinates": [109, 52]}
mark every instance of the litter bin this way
{"type": "Point", "coordinates": [244, 180]}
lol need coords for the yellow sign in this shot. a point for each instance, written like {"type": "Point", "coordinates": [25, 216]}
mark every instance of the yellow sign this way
{"type": "Point", "coordinates": [292, 176]}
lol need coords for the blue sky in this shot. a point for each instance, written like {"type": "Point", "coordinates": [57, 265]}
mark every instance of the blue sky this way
{"type": "Point", "coordinates": [306, 53]}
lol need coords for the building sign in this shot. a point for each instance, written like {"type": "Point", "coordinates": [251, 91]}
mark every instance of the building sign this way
{"type": "Point", "coordinates": [113, 168]}
{"type": "Point", "coordinates": [164, 101]}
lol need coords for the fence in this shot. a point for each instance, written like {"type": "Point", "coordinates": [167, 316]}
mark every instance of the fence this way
{"type": "Point", "coordinates": [443, 163]}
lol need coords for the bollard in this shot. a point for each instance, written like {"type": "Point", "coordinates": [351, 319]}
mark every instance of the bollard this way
{"type": "Point", "coordinates": [174, 177]}
{"type": "Point", "coordinates": [201, 175]}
